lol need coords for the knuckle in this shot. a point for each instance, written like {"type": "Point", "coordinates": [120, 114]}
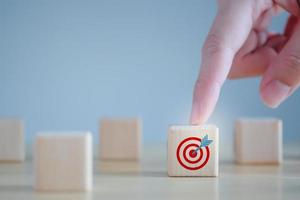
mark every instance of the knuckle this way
{"type": "Point", "coordinates": [212, 45]}
{"type": "Point", "coordinates": [288, 70]}
{"type": "Point", "coordinates": [292, 63]}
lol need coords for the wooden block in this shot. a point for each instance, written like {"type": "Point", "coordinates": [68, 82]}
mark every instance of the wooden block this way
{"type": "Point", "coordinates": [193, 150]}
{"type": "Point", "coordinates": [258, 141]}
{"type": "Point", "coordinates": [119, 167]}
{"type": "Point", "coordinates": [120, 139]}
{"type": "Point", "coordinates": [12, 148]}
{"type": "Point", "coordinates": [63, 161]}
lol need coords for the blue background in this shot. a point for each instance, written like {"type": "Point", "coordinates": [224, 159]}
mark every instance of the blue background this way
{"type": "Point", "coordinates": [65, 64]}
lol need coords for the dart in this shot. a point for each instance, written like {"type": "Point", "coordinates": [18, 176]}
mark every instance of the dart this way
{"type": "Point", "coordinates": [204, 143]}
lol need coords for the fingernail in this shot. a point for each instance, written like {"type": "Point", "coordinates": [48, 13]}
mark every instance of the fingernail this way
{"type": "Point", "coordinates": [274, 93]}
{"type": "Point", "coordinates": [262, 38]}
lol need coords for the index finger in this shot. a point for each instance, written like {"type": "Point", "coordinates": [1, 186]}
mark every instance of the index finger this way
{"type": "Point", "coordinates": [229, 31]}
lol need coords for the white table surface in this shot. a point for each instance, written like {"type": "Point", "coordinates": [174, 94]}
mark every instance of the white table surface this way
{"type": "Point", "coordinates": [149, 180]}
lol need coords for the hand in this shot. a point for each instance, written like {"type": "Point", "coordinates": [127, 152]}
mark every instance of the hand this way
{"type": "Point", "coordinates": [239, 45]}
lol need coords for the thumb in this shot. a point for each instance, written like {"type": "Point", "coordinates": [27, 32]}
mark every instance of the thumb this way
{"type": "Point", "coordinates": [283, 75]}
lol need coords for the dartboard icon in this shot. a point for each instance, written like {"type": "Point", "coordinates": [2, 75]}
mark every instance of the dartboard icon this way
{"type": "Point", "coordinates": [191, 154]}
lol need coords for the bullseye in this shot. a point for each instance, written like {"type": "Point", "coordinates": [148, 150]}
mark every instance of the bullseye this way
{"type": "Point", "coordinates": [190, 155]}
{"type": "Point", "coordinates": [193, 153]}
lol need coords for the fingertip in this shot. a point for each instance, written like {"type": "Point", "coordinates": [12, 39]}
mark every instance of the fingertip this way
{"type": "Point", "coordinates": [206, 94]}
{"type": "Point", "coordinates": [198, 110]}
{"type": "Point", "coordinates": [195, 118]}
{"type": "Point", "coordinates": [274, 93]}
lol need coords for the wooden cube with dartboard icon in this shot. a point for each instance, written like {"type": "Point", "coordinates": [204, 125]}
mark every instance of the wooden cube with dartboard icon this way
{"type": "Point", "coordinates": [193, 151]}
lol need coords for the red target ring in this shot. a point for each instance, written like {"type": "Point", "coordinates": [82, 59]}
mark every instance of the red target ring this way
{"type": "Point", "coordinates": [192, 152]}
{"type": "Point", "coordinates": [186, 162]}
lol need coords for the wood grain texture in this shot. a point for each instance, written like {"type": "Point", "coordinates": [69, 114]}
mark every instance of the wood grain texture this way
{"type": "Point", "coordinates": [63, 162]}
{"type": "Point", "coordinates": [258, 141]}
{"type": "Point", "coordinates": [235, 182]}
{"type": "Point", "coordinates": [179, 138]}
{"type": "Point", "coordinates": [12, 148]}
{"type": "Point", "coordinates": [120, 139]}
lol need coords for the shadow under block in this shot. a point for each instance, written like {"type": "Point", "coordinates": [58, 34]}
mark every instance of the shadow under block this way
{"type": "Point", "coordinates": [120, 139]}
{"type": "Point", "coordinates": [193, 150]}
{"type": "Point", "coordinates": [12, 148]}
{"type": "Point", "coordinates": [258, 141]}
{"type": "Point", "coordinates": [63, 161]}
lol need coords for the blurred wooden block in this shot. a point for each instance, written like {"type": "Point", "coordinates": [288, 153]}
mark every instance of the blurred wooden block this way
{"type": "Point", "coordinates": [63, 162]}
{"type": "Point", "coordinates": [258, 141]}
{"type": "Point", "coordinates": [193, 151]}
{"type": "Point", "coordinates": [120, 139]}
{"type": "Point", "coordinates": [12, 148]}
{"type": "Point", "coordinates": [129, 167]}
